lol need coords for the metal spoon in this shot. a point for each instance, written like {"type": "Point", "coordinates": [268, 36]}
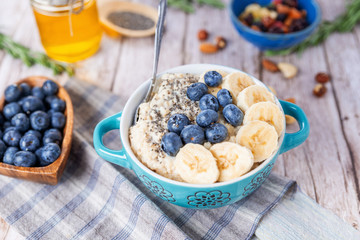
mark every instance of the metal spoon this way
{"type": "Point", "coordinates": [158, 37]}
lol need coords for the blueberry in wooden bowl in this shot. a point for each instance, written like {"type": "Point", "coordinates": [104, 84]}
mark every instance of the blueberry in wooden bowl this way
{"type": "Point", "coordinates": [36, 130]}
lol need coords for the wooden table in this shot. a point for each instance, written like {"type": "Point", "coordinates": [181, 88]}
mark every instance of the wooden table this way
{"type": "Point", "coordinates": [326, 166]}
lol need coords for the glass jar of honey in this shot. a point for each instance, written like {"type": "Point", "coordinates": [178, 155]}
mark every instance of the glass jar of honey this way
{"type": "Point", "coordinates": [69, 29]}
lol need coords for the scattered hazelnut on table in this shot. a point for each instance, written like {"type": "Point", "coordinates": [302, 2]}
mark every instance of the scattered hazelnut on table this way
{"type": "Point", "coordinates": [287, 69]}
{"type": "Point", "coordinates": [322, 77]}
{"type": "Point", "coordinates": [220, 42]}
{"type": "Point", "coordinates": [269, 65]}
{"type": "Point", "coordinates": [208, 48]}
{"type": "Point", "coordinates": [319, 90]}
{"type": "Point", "coordinates": [203, 35]}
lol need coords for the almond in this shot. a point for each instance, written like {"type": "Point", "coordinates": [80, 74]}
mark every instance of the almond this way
{"type": "Point", "coordinates": [292, 100]}
{"type": "Point", "coordinates": [208, 48]}
{"type": "Point", "coordinates": [269, 65]}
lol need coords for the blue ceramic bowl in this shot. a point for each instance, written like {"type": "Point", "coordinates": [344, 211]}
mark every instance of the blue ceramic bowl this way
{"type": "Point", "coordinates": [270, 41]}
{"type": "Point", "coordinates": [199, 196]}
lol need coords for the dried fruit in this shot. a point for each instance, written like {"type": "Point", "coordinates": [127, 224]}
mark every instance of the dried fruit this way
{"type": "Point", "coordinates": [220, 42]}
{"type": "Point", "coordinates": [203, 35]}
{"type": "Point", "coordinates": [282, 9]}
{"type": "Point", "coordinates": [292, 100]}
{"type": "Point", "coordinates": [287, 69]}
{"type": "Point", "coordinates": [322, 77]}
{"type": "Point", "coordinates": [319, 90]}
{"type": "Point", "coordinates": [267, 21]}
{"type": "Point", "coordinates": [256, 28]}
{"type": "Point", "coordinates": [269, 65]}
{"type": "Point", "coordinates": [208, 48]}
{"type": "Point", "coordinates": [294, 13]}
{"type": "Point", "coordinates": [289, 119]}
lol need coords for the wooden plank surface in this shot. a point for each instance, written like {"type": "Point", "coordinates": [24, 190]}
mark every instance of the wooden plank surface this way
{"type": "Point", "coordinates": [326, 167]}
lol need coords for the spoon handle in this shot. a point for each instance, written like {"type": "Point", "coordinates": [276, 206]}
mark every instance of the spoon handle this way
{"type": "Point", "coordinates": [158, 37]}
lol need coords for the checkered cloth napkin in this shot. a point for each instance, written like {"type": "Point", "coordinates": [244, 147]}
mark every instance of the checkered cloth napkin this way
{"type": "Point", "coordinates": [97, 200]}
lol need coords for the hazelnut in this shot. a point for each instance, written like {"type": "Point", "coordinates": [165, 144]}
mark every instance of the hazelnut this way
{"type": "Point", "coordinates": [322, 77]}
{"type": "Point", "coordinates": [203, 35]}
{"type": "Point", "coordinates": [220, 42]}
{"type": "Point", "coordinates": [319, 90]}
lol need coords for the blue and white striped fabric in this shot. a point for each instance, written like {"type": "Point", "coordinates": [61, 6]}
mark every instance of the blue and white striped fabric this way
{"type": "Point", "coordinates": [96, 200]}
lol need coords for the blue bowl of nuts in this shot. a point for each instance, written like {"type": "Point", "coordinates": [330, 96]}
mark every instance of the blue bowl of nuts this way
{"type": "Point", "coordinates": [275, 24]}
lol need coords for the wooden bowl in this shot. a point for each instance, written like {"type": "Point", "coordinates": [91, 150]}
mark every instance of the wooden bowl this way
{"type": "Point", "coordinates": [49, 174]}
{"type": "Point", "coordinates": [119, 6]}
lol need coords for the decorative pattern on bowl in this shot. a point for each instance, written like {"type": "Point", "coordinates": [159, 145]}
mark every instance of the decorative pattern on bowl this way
{"type": "Point", "coordinates": [257, 180]}
{"type": "Point", "coordinates": [157, 189]}
{"type": "Point", "coordinates": [209, 199]}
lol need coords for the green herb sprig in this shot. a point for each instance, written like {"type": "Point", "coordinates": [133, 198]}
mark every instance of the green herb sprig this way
{"type": "Point", "coordinates": [188, 5]}
{"type": "Point", "coordinates": [30, 57]}
{"type": "Point", "coordinates": [343, 23]}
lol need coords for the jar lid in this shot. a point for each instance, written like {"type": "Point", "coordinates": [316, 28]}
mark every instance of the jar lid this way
{"type": "Point", "coordinates": [57, 5]}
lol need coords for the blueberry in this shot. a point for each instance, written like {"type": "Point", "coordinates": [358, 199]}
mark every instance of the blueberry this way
{"type": "Point", "coordinates": [6, 125]}
{"type": "Point", "coordinates": [216, 133]}
{"type": "Point", "coordinates": [233, 115]}
{"type": "Point", "coordinates": [224, 97]}
{"type": "Point", "coordinates": [24, 159]}
{"type": "Point", "coordinates": [12, 93]}
{"type": "Point", "coordinates": [177, 122]}
{"type": "Point", "coordinates": [58, 120]}
{"type": "Point", "coordinates": [213, 78]}
{"type": "Point", "coordinates": [25, 89]}
{"type": "Point", "coordinates": [206, 118]}
{"type": "Point", "coordinates": [21, 101]}
{"type": "Point", "coordinates": [2, 149]}
{"type": "Point", "coordinates": [51, 111]}
{"type": "Point", "coordinates": [32, 104]}
{"type": "Point", "coordinates": [48, 99]}
{"type": "Point", "coordinates": [58, 105]}
{"type": "Point", "coordinates": [52, 136]}
{"type": "Point", "coordinates": [39, 120]}
{"type": "Point", "coordinates": [21, 122]}
{"type": "Point", "coordinates": [196, 90]}
{"type": "Point", "coordinates": [11, 110]}
{"type": "Point", "coordinates": [38, 92]}
{"type": "Point", "coordinates": [29, 142]}
{"type": "Point", "coordinates": [9, 155]}
{"type": "Point", "coordinates": [2, 120]}
{"type": "Point", "coordinates": [12, 138]}
{"type": "Point", "coordinates": [171, 144]}
{"type": "Point", "coordinates": [193, 134]}
{"type": "Point", "coordinates": [38, 153]}
{"type": "Point", "coordinates": [49, 153]}
{"type": "Point", "coordinates": [9, 128]}
{"type": "Point", "coordinates": [208, 101]}
{"type": "Point", "coordinates": [281, 17]}
{"type": "Point", "coordinates": [35, 133]}
{"type": "Point", "coordinates": [50, 88]}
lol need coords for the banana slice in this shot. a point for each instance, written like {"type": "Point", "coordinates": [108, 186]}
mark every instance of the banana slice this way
{"type": "Point", "coordinates": [268, 112]}
{"type": "Point", "coordinates": [196, 164]}
{"type": "Point", "coordinates": [236, 82]}
{"type": "Point", "coordinates": [260, 137]}
{"type": "Point", "coordinates": [233, 160]}
{"type": "Point", "coordinates": [253, 94]}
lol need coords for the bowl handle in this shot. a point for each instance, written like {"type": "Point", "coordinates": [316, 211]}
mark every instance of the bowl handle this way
{"type": "Point", "coordinates": [292, 140]}
{"type": "Point", "coordinates": [115, 156]}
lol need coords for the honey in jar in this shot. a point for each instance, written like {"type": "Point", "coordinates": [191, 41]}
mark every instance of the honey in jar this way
{"type": "Point", "coordinates": [69, 29]}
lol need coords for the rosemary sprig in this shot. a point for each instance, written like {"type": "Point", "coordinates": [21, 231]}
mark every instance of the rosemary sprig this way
{"type": "Point", "coordinates": [188, 5]}
{"type": "Point", "coordinates": [343, 23]}
{"type": "Point", "coordinates": [30, 57]}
